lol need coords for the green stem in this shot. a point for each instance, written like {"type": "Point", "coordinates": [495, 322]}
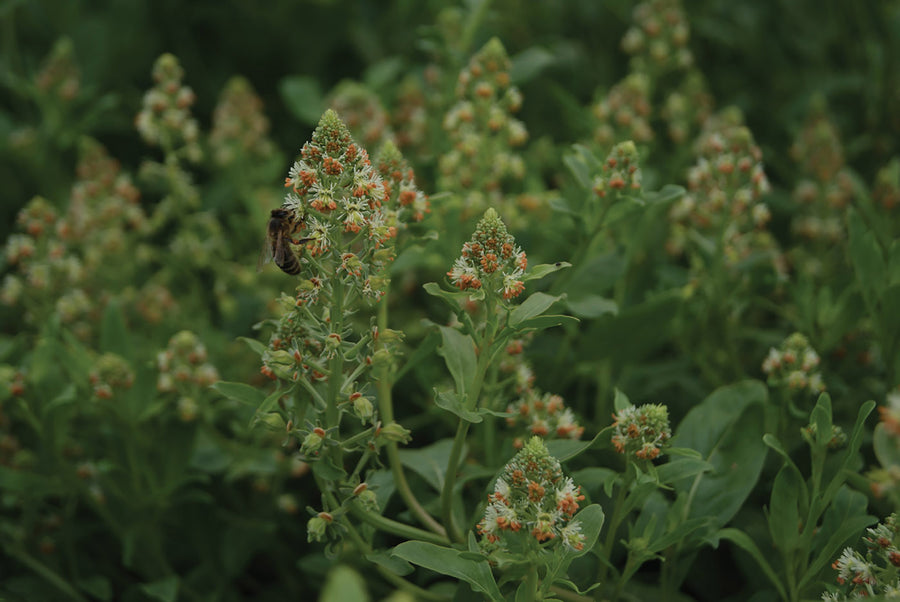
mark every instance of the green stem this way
{"type": "Point", "coordinates": [46, 573]}
{"type": "Point", "coordinates": [364, 547]}
{"type": "Point", "coordinates": [531, 583]}
{"type": "Point", "coordinates": [484, 356]}
{"type": "Point", "coordinates": [614, 523]}
{"type": "Point", "coordinates": [384, 386]}
{"type": "Point", "coordinates": [336, 369]}
{"type": "Point", "coordinates": [387, 525]}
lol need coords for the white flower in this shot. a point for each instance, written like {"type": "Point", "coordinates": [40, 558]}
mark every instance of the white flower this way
{"type": "Point", "coordinates": [572, 536]}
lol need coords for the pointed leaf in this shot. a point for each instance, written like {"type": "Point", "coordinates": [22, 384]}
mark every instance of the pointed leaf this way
{"type": "Point", "coordinates": [458, 351]}
{"type": "Point", "coordinates": [240, 392]}
{"type": "Point", "coordinates": [448, 400]}
{"type": "Point", "coordinates": [539, 271]}
{"type": "Point", "coordinates": [592, 306]}
{"type": "Point", "coordinates": [429, 462]}
{"type": "Point", "coordinates": [743, 541]}
{"type": "Point", "coordinates": [447, 561]}
{"type": "Point", "coordinates": [534, 305]}
{"type": "Point", "coordinates": [164, 590]}
{"type": "Point", "coordinates": [343, 584]}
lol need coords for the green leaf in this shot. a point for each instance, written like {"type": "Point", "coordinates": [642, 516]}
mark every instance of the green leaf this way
{"type": "Point", "coordinates": [534, 305]}
{"type": "Point", "coordinates": [458, 351]}
{"type": "Point", "coordinates": [539, 271]}
{"type": "Point", "coordinates": [423, 351]}
{"type": "Point", "coordinates": [448, 400]}
{"type": "Point", "coordinates": [886, 446]}
{"type": "Point", "coordinates": [164, 590]}
{"type": "Point", "coordinates": [383, 73]}
{"type": "Point", "coordinates": [591, 520]}
{"type": "Point", "coordinates": [594, 478]}
{"type": "Point", "coordinates": [560, 205]}
{"type": "Point", "coordinates": [867, 259]}
{"type": "Point", "coordinates": [894, 263]}
{"type": "Point", "coordinates": [727, 429]}
{"type": "Point", "coordinates": [255, 345]}
{"type": "Point", "coordinates": [429, 462]}
{"type": "Point", "coordinates": [240, 392]}
{"type": "Point", "coordinates": [821, 417]}
{"type": "Point", "coordinates": [682, 468]}
{"type": "Point", "coordinates": [592, 306]}
{"type": "Point", "coordinates": [529, 63]}
{"type": "Point", "coordinates": [303, 96]}
{"type": "Point", "coordinates": [544, 322]}
{"type": "Point", "coordinates": [743, 541]}
{"type": "Point", "coordinates": [621, 401]}
{"type": "Point", "coordinates": [447, 561]}
{"type": "Point", "coordinates": [343, 584]}
{"type": "Point", "coordinates": [624, 208]}
{"type": "Point", "coordinates": [566, 449]}
{"type": "Point", "coordinates": [267, 405]}
{"type": "Point", "coordinates": [452, 298]}
{"type": "Point", "coordinates": [65, 397]}
{"type": "Point", "coordinates": [398, 566]}
{"type": "Point", "coordinates": [784, 511]}
{"type": "Point", "coordinates": [596, 275]}
{"type": "Point", "coordinates": [582, 163]}
{"type": "Point", "coordinates": [843, 521]}
{"type": "Point", "coordinates": [634, 332]}
{"type": "Point", "coordinates": [114, 335]}
{"type": "Point", "coordinates": [667, 194]}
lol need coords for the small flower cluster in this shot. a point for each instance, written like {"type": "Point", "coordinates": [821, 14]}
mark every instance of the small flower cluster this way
{"type": "Point", "coordinates": [491, 259]}
{"type": "Point", "coordinates": [482, 130]}
{"type": "Point", "coordinates": [828, 187]}
{"type": "Point", "coordinates": [165, 119]}
{"type": "Point", "coordinates": [890, 413]}
{"type": "Point", "coordinates": [545, 416]}
{"type": "Point", "coordinates": [686, 109]}
{"type": "Point", "coordinates": [624, 112]}
{"type": "Point", "coordinates": [110, 375]}
{"type": "Point", "coordinates": [886, 190]}
{"type": "Point", "coordinates": [294, 350]}
{"type": "Point", "coordinates": [405, 203]}
{"type": "Point", "coordinates": [59, 76]}
{"type": "Point", "coordinates": [641, 431]}
{"type": "Point", "coordinates": [658, 38]}
{"type": "Point", "coordinates": [725, 186]}
{"type": "Point", "coordinates": [533, 499]}
{"type": "Point", "coordinates": [184, 366]}
{"type": "Point", "coordinates": [838, 436]}
{"type": "Point", "coordinates": [337, 195]}
{"type": "Point", "coordinates": [240, 129]}
{"type": "Point", "coordinates": [62, 263]}
{"type": "Point", "coordinates": [362, 112]}
{"type": "Point", "coordinates": [874, 574]}
{"type": "Point", "coordinates": [794, 366]}
{"type": "Point", "coordinates": [410, 116]}
{"type": "Point", "coordinates": [620, 171]}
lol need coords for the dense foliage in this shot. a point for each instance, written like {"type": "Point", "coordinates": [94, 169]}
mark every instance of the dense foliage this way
{"type": "Point", "coordinates": [489, 299]}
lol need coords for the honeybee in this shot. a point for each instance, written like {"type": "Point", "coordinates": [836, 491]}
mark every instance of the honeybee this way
{"type": "Point", "coordinates": [283, 224]}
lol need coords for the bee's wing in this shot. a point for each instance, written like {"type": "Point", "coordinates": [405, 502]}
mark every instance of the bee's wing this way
{"type": "Point", "coordinates": [266, 253]}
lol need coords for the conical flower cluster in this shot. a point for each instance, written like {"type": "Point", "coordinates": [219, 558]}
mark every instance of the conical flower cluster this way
{"type": "Point", "coordinates": [533, 498]}
{"type": "Point", "coordinates": [642, 431]}
{"type": "Point", "coordinates": [491, 259]}
{"type": "Point", "coordinates": [336, 197]}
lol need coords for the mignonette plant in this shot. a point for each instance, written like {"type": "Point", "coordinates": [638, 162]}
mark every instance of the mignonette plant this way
{"type": "Point", "coordinates": [555, 303]}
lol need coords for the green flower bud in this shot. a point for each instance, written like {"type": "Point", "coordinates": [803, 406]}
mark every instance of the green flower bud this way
{"type": "Point", "coordinates": [395, 432]}
{"type": "Point", "coordinates": [317, 527]}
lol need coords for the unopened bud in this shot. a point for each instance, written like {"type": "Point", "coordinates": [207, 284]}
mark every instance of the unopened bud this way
{"type": "Point", "coordinates": [395, 432]}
